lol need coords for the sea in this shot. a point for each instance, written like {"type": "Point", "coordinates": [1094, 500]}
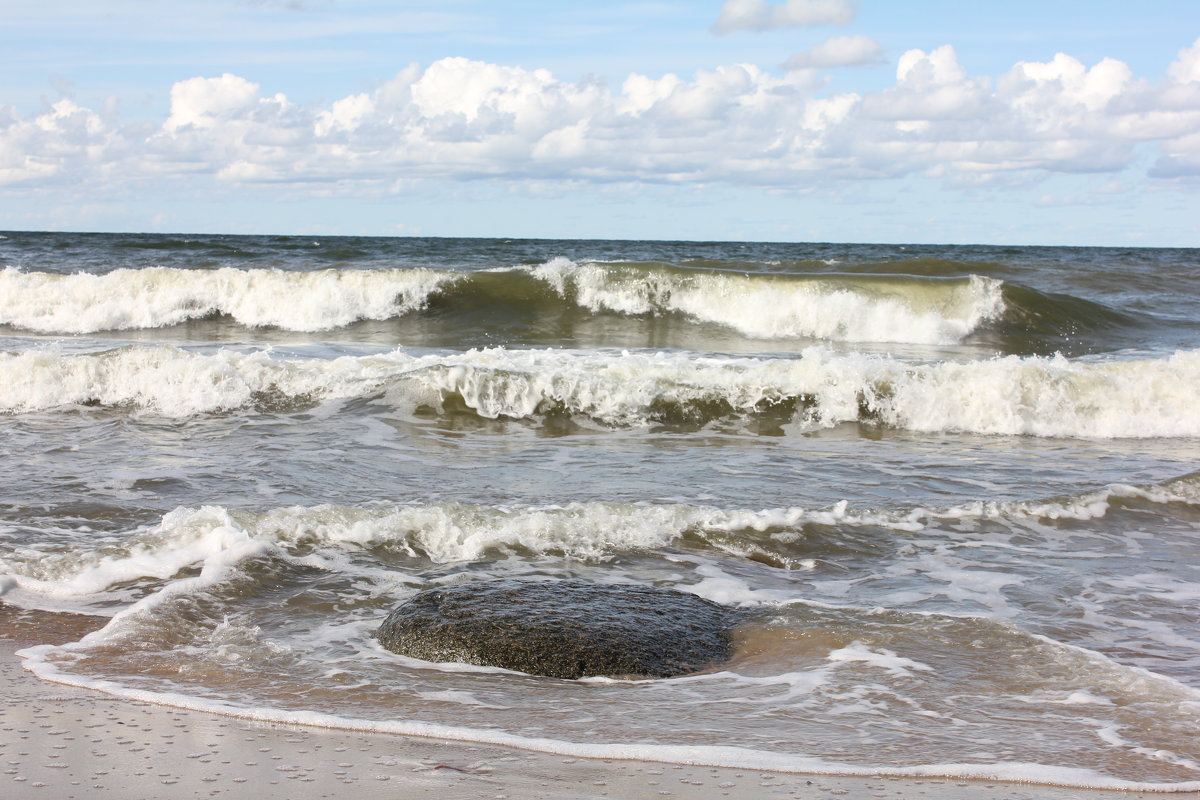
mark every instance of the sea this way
{"type": "Point", "coordinates": [958, 487]}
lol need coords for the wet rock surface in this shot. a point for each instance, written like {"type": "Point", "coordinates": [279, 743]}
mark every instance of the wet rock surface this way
{"type": "Point", "coordinates": [563, 629]}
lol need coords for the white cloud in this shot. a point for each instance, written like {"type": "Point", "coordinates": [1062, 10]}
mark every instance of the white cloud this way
{"type": "Point", "coordinates": [345, 115]}
{"type": "Point", "coordinates": [840, 51]}
{"type": "Point", "coordinates": [1067, 82]}
{"type": "Point", "coordinates": [202, 102]}
{"type": "Point", "coordinates": [930, 86]}
{"type": "Point", "coordinates": [65, 141]}
{"type": "Point", "coordinates": [459, 86]}
{"type": "Point", "coordinates": [460, 119]}
{"type": "Point", "coordinates": [920, 69]}
{"type": "Point", "coordinates": [759, 15]}
{"type": "Point", "coordinates": [1186, 67]}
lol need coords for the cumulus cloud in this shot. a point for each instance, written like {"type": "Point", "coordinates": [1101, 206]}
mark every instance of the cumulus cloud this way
{"type": "Point", "coordinates": [202, 102]}
{"type": "Point", "coordinates": [840, 51]}
{"type": "Point", "coordinates": [759, 15]}
{"type": "Point", "coordinates": [459, 119]}
{"type": "Point", "coordinates": [65, 141]}
{"type": "Point", "coordinates": [1186, 67]}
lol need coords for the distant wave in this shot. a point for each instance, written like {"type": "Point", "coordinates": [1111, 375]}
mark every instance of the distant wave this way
{"type": "Point", "coordinates": [1035, 396]}
{"type": "Point", "coordinates": [772, 306]}
{"type": "Point", "coordinates": [846, 307]}
{"type": "Point", "coordinates": [158, 297]}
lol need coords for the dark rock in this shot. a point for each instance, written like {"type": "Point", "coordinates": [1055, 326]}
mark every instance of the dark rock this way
{"type": "Point", "coordinates": [563, 629]}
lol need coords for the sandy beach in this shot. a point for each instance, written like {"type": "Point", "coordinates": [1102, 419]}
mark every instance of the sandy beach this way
{"type": "Point", "coordinates": [62, 742]}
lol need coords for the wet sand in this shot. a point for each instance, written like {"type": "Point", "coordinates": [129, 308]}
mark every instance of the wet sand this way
{"type": "Point", "coordinates": [60, 742]}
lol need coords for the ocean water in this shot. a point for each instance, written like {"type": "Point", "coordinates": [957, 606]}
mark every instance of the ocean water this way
{"type": "Point", "coordinates": [959, 485]}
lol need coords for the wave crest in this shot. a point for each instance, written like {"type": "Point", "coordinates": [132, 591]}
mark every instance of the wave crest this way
{"type": "Point", "coordinates": [877, 308]}
{"type": "Point", "coordinates": [836, 307]}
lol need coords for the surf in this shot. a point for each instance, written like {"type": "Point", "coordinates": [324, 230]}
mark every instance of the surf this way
{"type": "Point", "coordinates": [1101, 398]}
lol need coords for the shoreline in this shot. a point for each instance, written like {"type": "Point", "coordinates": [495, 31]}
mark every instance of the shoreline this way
{"type": "Point", "coordinates": [59, 741]}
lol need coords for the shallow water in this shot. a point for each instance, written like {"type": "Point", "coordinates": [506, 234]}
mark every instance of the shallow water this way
{"type": "Point", "coordinates": [958, 485]}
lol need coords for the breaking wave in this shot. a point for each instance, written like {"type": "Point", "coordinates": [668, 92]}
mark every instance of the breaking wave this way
{"type": "Point", "coordinates": [448, 532]}
{"type": "Point", "coordinates": [1033, 395]}
{"type": "Point", "coordinates": [846, 307]}
{"type": "Point", "coordinates": [158, 297]}
{"type": "Point", "coordinates": [837, 307]}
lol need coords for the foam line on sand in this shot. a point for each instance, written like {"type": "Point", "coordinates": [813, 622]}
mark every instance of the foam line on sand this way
{"type": "Point", "coordinates": [59, 742]}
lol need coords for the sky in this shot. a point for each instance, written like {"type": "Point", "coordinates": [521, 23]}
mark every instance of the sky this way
{"type": "Point", "coordinates": [1059, 123]}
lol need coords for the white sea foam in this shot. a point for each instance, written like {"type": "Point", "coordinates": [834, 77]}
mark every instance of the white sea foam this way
{"type": "Point", "coordinates": [444, 532]}
{"type": "Point", "coordinates": [156, 297]}
{"type": "Point", "coordinates": [190, 537]}
{"type": "Point", "coordinates": [838, 308]}
{"type": "Point", "coordinates": [176, 383]}
{"type": "Point", "coordinates": [858, 653]}
{"type": "Point", "coordinates": [450, 532]}
{"type": "Point", "coordinates": [719, 586]}
{"type": "Point", "coordinates": [1036, 396]}
{"type": "Point", "coordinates": [1048, 397]}
{"type": "Point", "coordinates": [233, 640]}
{"type": "Point", "coordinates": [1089, 505]}
{"type": "Point", "coordinates": [785, 687]}
{"type": "Point", "coordinates": [1014, 396]}
{"type": "Point", "coordinates": [1084, 698]}
{"type": "Point", "coordinates": [1076, 698]}
{"type": "Point", "coordinates": [91, 579]}
{"type": "Point", "coordinates": [185, 538]}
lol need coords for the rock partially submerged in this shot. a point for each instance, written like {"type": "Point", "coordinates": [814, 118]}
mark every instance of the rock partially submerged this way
{"type": "Point", "coordinates": [563, 629]}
